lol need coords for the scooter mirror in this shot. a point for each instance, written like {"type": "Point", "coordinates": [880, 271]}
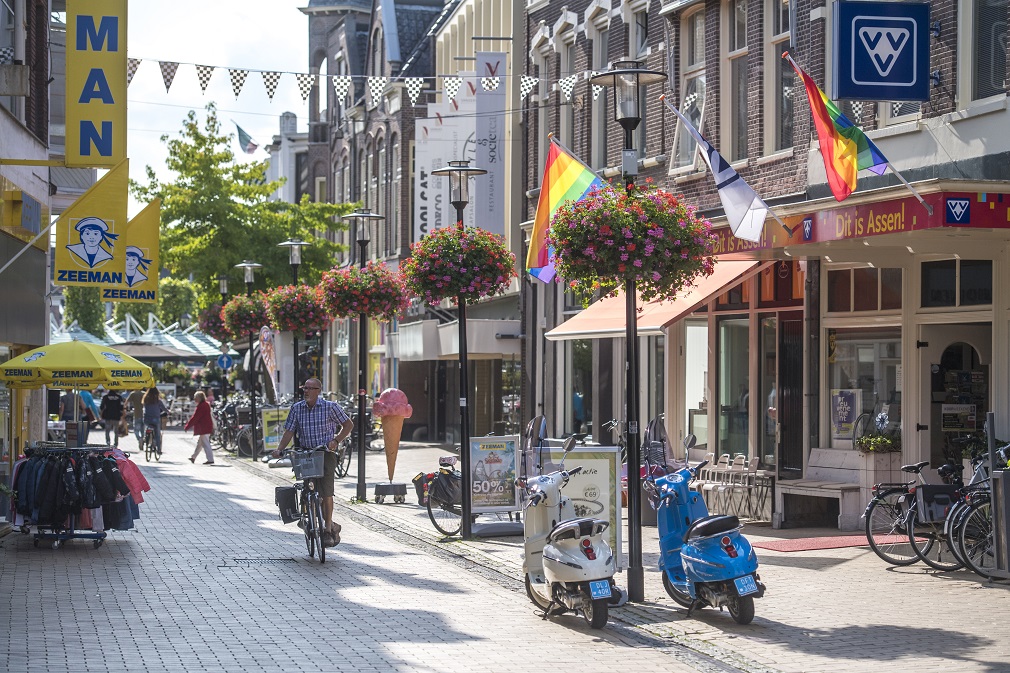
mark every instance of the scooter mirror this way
{"type": "Point", "coordinates": [689, 442]}
{"type": "Point", "coordinates": [568, 445]}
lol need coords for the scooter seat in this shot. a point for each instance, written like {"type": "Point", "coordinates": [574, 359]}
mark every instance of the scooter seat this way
{"type": "Point", "coordinates": [576, 528]}
{"type": "Point", "coordinates": [711, 525]}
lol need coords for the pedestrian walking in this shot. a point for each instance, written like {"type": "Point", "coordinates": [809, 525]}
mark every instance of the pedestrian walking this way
{"type": "Point", "coordinates": [91, 411]}
{"type": "Point", "coordinates": [319, 422]}
{"type": "Point", "coordinates": [203, 426]}
{"type": "Point", "coordinates": [113, 411]}
{"type": "Point", "coordinates": [136, 402]}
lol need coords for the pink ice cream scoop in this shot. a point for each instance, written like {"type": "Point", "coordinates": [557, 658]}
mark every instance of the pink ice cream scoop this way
{"type": "Point", "coordinates": [392, 402]}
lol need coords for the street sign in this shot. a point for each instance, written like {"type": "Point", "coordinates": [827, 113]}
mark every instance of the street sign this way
{"type": "Point", "coordinates": [224, 361]}
{"type": "Point", "coordinates": [881, 51]}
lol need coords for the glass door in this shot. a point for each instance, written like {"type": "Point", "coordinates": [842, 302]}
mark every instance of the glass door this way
{"type": "Point", "coordinates": [734, 385]}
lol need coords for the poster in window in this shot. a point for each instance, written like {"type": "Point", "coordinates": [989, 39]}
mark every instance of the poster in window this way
{"type": "Point", "coordinates": [957, 418]}
{"type": "Point", "coordinates": [846, 405]}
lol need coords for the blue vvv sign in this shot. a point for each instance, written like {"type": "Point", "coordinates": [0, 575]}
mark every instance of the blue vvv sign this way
{"type": "Point", "coordinates": [881, 51]}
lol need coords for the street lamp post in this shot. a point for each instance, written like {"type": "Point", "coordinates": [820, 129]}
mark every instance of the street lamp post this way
{"type": "Point", "coordinates": [627, 78]}
{"type": "Point", "coordinates": [249, 267]}
{"type": "Point", "coordinates": [222, 281]}
{"type": "Point", "coordinates": [363, 219]}
{"type": "Point", "coordinates": [459, 173]}
{"type": "Point", "coordinates": [294, 246]}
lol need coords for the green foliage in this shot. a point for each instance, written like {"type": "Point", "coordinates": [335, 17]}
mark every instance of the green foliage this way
{"type": "Point", "coordinates": [84, 304]}
{"type": "Point", "coordinates": [879, 443]}
{"type": "Point", "coordinates": [138, 310]}
{"type": "Point", "coordinates": [216, 213]}
{"type": "Point", "coordinates": [170, 372]}
{"type": "Point", "coordinates": [176, 296]}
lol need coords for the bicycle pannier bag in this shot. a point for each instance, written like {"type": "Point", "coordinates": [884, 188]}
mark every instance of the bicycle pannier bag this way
{"type": "Point", "coordinates": [422, 481]}
{"type": "Point", "coordinates": [446, 488]}
{"type": "Point", "coordinates": [286, 498]}
{"type": "Point", "coordinates": [934, 501]}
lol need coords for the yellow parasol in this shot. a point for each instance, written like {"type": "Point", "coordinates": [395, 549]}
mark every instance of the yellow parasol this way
{"type": "Point", "coordinates": [75, 364]}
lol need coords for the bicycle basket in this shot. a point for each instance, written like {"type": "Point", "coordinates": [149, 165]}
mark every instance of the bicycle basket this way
{"type": "Point", "coordinates": [446, 488]}
{"type": "Point", "coordinates": [308, 465]}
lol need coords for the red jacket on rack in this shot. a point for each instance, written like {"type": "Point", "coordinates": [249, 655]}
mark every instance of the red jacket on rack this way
{"type": "Point", "coordinates": [200, 421]}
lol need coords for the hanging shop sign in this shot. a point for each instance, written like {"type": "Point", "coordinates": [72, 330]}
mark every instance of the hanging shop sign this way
{"type": "Point", "coordinates": [490, 140]}
{"type": "Point", "coordinates": [140, 258]}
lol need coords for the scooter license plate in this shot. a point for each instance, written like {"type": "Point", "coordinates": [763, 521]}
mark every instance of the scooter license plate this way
{"type": "Point", "coordinates": [601, 589]}
{"type": "Point", "coordinates": [745, 585]}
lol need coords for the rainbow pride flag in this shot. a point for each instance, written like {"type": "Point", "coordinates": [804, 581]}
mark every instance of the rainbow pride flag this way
{"type": "Point", "coordinates": [844, 146]}
{"type": "Point", "coordinates": [565, 179]}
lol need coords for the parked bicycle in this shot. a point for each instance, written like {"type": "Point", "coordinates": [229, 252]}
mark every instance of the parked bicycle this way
{"type": "Point", "coordinates": [308, 466]}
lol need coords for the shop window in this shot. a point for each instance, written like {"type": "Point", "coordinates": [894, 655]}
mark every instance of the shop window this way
{"type": "Point", "coordinates": [580, 380]}
{"type": "Point", "coordinates": [890, 289]}
{"type": "Point", "coordinates": [737, 297]}
{"type": "Point", "coordinates": [656, 376]}
{"type": "Point", "coordinates": [840, 290]}
{"type": "Point", "coordinates": [864, 289]}
{"type": "Point", "coordinates": [864, 374]}
{"type": "Point", "coordinates": [976, 282]}
{"type": "Point", "coordinates": [954, 282]}
{"type": "Point", "coordinates": [988, 48]}
{"type": "Point", "coordinates": [780, 283]}
{"type": "Point", "coordinates": [696, 379]}
{"type": "Point", "coordinates": [734, 385]}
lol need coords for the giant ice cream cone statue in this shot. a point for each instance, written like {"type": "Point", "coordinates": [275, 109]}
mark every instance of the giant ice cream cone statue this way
{"type": "Point", "coordinates": [392, 408]}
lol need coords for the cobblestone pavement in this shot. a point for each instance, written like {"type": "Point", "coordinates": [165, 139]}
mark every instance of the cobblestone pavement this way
{"type": "Point", "coordinates": [211, 580]}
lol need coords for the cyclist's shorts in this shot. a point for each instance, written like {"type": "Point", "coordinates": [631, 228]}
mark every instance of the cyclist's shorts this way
{"type": "Point", "coordinates": [325, 485]}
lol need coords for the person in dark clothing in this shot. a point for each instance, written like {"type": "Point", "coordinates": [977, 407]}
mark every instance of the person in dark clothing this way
{"type": "Point", "coordinates": [112, 410]}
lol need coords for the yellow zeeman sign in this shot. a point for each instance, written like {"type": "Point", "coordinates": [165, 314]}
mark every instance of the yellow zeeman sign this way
{"type": "Point", "coordinates": [96, 82]}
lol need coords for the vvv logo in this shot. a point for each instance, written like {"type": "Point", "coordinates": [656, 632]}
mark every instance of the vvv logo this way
{"type": "Point", "coordinates": [884, 45]}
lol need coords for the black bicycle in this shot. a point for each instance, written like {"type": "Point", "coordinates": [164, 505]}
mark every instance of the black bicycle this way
{"type": "Point", "coordinates": [344, 453]}
{"type": "Point", "coordinates": [151, 447]}
{"type": "Point", "coordinates": [308, 465]}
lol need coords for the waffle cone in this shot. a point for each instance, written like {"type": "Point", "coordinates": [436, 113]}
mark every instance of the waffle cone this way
{"type": "Point", "coordinates": [392, 426]}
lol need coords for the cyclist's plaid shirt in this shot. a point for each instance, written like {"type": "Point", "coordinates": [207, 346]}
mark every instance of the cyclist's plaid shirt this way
{"type": "Point", "coordinates": [316, 426]}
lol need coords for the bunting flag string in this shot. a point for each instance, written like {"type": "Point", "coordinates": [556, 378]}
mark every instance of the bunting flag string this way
{"type": "Point", "coordinates": [414, 85]}
{"type": "Point", "coordinates": [451, 86]}
{"type": "Point", "coordinates": [305, 82]}
{"type": "Point", "coordinates": [375, 86]}
{"type": "Point", "coordinates": [526, 84]}
{"type": "Point", "coordinates": [597, 89]}
{"type": "Point", "coordinates": [237, 80]}
{"type": "Point", "coordinates": [168, 70]}
{"type": "Point", "coordinates": [567, 85]}
{"type": "Point", "coordinates": [131, 69]}
{"type": "Point", "coordinates": [270, 80]}
{"type": "Point", "coordinates": [204, 73]}
{"type": "Point", "coordinates": [489, 83]}
{"type": "Point", "coordinates": [341, 84]}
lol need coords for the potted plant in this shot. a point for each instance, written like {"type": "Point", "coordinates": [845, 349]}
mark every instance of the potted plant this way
{"type": "Point", "coordinates": [879, 443]}
{"type": "Point", "coordinates": [374, 290]}
{"type": "Point", "coordinates": [210, 322]}
{"type": "Point", "coordinates": [642, 234]}
{"type": "Point", "coordinates": [458, 263]}
{"type": "Point", "coordinates": [245, 314]}
{"type": "Point", "coordinates": [296, 308]}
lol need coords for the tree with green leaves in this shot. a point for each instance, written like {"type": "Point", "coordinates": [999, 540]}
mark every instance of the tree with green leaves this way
{"type": "Point", "coordinates": [217, 213]}
{"type": "Point", "coordinates": [84, 304]}
{"type": "Point", "coordinates": [176, 297]}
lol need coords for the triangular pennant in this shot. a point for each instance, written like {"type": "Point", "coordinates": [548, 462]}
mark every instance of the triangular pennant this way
{"type": "Point", "coordinates": [597, 88]}
{"type": "Point", "coordinates": [168, 70]}
{"type": "Point", "coordinates": [6, 55]}
{"type": "Point", "coordinates": [341, 84]}
{"type": "Point", "coordinates": [306, 80]}
{"type": "Point", "coordinates": [270, 79]}
{"type": "Point", "coordinates": [414, 85]}
{"type": "Point", "coordinates": [237, 80]}
{"type": "Point", "coordinates": [567, 85]}
{"type": "Point", "coordinates": [203, 73]}
{"type": "Point", "coordinates": [451, 86]}
{"type": "Point", "coordinates": [376, 84]}
{"type": "Point", "coordinates": [489, 83]}
{"type": "Point", "coordinates": [526, 84]}
{"type": "Point", "coordinates": [131, 69]}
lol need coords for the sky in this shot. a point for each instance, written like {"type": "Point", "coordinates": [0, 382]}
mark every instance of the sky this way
{"type": "Point", "coordinates": [246, 34]}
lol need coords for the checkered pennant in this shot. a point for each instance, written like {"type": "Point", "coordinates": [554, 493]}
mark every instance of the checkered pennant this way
{"type": "Point", "coordinates": [567, 85]}
{"type": "Point", "coordinates": [306, 81]}
{"type": "Point", "coordinates": [414, 85]}
{"type": "Point", "coordinates": [857, 110]}
{"type": "Point", "coordinates": [203, 73]}
{"type": "Point", "coordinates": [451, 86]}
{"type": "Point", "coordinates": [237, 80]}
{"type": "Point", "coordinates": [131, 69]}
{"type": "Point", "coordinates": [168, 70]}
{"type": "Point", "coordinates": [376, 84]}
{"type": "Point", "coordinates": [690, 100]}
{"type": "Point", "coordinates": [270, 79]}
{"type": "Point", "coordinates": [526, 84]}
{"type": "Point", "coordinates": [597, 88]}
{"type": "Point", "coordinates": [7, 55]}
{"type": "Point", "coordinates": [341, 84]}
{"type": "Point", "coordinates": [489, 83]}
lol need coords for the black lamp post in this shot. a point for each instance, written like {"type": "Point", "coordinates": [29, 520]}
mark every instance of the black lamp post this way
{"type": "Point", "coordinates": [627, 78]}
{"type": "Point", "coordinates": [363, 219]}
{"type": "Point", "coordinates": [249, 267]}
{"type": "Point", "coordinates": [222, 281]}
{"type": "Point", "coordinates": [294, 246]}
{"type": "Point", "coordinates": [459, 173]}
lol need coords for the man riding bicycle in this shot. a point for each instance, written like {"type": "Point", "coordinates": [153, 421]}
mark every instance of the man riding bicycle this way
{"type": "Point", "coordinates": [315, 422]}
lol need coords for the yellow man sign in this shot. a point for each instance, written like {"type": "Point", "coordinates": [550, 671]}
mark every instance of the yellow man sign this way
{"type": "Point", "coordinates": [140, 268]}
{"type": "Point", "coordinates": [96, 83]}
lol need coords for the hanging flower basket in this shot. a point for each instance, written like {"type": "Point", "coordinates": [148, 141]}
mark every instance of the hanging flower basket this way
{"type": "Point", "coordinates": [210, 322]}
{"type": "Point", "coordinates": [297, 308]}
{"type": "Point", "coordinates": [374, 290]}
{"type": "Point", "coordinates": [650, 236]}
{"type": "Point", "coordinates": [453, 262]}
{"type": "Point", "coordinates": [245, 315]}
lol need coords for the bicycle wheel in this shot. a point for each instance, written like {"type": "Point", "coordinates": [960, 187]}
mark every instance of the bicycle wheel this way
{"type": "Point", "coordinates": [320, 528]}
{"type": "Point", "coordinates": [148, 446]}
{"type": "Point", "coordinates": [344, 458]}
{"type": "Point", "coordinates": [308, 526]}
{"type": "Point", "coordinates": [937, 555]}
{"type": "Point", "coordinates": [885, 530]}
{"type": "Point", "coordinates": [976, 539]}
{"type": "Point", "coordinates": [447, 519]}
{"type": "Point", "coordinates": [243, 442]}
{"type": "Point", "coordinates": [952, 526]}
{"type": "Point", "coordinates": [861, 427]}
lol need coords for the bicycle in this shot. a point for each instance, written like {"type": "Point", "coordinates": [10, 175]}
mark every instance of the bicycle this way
{"type": "Point", "coordinates": [886, 518]}
{"type": "Point", "coordinates": [445, 497]}
{"type": "Point", "coordinates": [308, 466]}
{"type": "Point", "coordinates": [344, 453]}
{"type": "Point", "coordinates": [150, 444]}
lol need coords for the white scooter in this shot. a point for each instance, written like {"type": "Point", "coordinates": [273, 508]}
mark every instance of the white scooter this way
{"type": "Point", "coordinates": [568, 565]}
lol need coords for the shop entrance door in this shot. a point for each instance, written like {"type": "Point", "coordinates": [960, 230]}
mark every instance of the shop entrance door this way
{"type": "Point", "coordinates": [954, 393]}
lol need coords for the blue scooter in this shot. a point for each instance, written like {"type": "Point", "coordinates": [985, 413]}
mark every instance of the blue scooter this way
{"type": "Point", "coordinates": [704, 558]}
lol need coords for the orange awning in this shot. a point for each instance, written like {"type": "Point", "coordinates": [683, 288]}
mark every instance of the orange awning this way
{"type": "Point", "coordinates": [604, 319]}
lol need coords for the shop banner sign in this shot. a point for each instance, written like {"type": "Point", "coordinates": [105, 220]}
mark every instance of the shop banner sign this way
{"type": "Point", "coordinates": [141, 258]}
{"type": "Point", "coordinates": [595, 491]}
{"type": "Point", "coordinates": [431, 204]}
{"type": "Point", "coordinates": [846, 405]}
{"type": "Point", "coordinates": [493, 474]}
{"type": "Point", "coordinates": [273, 426]}
{"type": "Point", "coordinates": [490, 140]}
{"type": "Point", "coordinates": [957, 418]}
{"type": "Point", "coordinates": [96, 83]}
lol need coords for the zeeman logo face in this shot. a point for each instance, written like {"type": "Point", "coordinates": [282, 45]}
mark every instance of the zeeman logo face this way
{"type": "Point", "coordinates": [958, 211]}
